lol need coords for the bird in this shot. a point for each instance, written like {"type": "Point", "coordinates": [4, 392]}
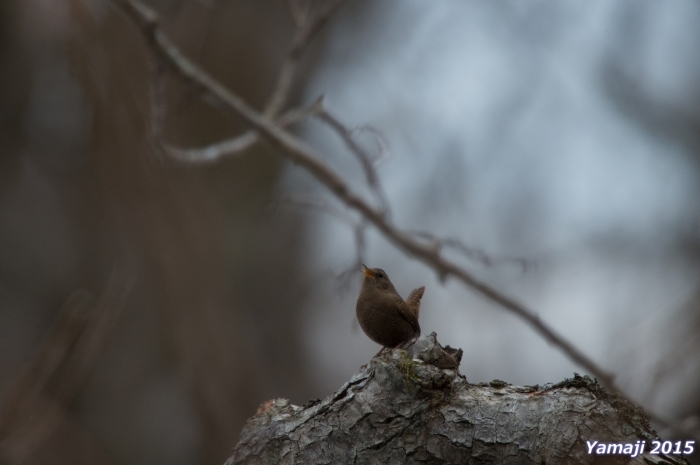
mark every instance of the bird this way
{"type": "Point", "coordinates": [383, 315]}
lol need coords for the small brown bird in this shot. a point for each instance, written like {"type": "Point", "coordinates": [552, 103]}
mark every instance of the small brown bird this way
{"type": "Point", "coordinates": [383, 315]}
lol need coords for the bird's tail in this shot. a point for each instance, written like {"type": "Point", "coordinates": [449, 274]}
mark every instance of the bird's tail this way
{"type": "Point", "coordinates": [413, 300]}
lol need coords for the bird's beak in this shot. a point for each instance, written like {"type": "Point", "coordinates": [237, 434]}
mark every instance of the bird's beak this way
{"type": "Point", "coordinates": [367, 271]}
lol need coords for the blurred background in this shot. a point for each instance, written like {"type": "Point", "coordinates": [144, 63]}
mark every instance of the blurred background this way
{"type": "Point", "coordinates": [148, 307]}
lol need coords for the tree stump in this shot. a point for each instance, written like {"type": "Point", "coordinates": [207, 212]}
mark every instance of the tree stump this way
{"type": "Point", "coordinates": [413, 406]}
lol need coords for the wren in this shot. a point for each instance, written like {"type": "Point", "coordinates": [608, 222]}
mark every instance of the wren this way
{"type": "Point", "coordinates": [383, 315]}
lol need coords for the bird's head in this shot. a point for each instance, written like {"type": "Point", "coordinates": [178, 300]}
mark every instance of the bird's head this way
{"type": "Point", "coordinates": [376, 278]}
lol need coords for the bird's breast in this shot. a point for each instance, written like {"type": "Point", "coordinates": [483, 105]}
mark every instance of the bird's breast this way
{"type": "Point", "coordinates": [382, 319]}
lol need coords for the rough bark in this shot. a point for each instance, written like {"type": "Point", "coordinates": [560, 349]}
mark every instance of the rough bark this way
{"type": "Point", "coordinates": [414, 406]}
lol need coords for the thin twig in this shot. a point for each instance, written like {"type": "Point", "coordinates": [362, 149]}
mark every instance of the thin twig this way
{"type": "Point", "coordinates": [358, 226]}
{"type": "Point", "coordinates": [469, 252]}
{"type": "Point", "coordinates": [365, 159]}
{"type": "Point", "coordinates": [378, 136]}
{"type": "Point", "coordinates": [358, 232]}
{"type": "Point", "coordinates": [308, 25]}
{"type": "Point", "coordinates": [235, 145]}
{"type": "Point", "coordinates": [305, 156]}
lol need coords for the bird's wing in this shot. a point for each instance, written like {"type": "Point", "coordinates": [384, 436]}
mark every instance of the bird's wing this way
{"type": "Point", "coordinates": [407, 314]}
{"type": "Point", "coordinates": [413, 301]}
{"type": "Point", "coordinates": [410, 318]}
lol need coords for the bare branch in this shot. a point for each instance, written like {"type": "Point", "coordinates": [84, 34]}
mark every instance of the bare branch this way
{"type": "Point", "coordinates": [379, 137]}
{"type": "Point", "coordinates": [302, 154]}
{"type": "Point", "coordinates": [360, 245]}
{"type": "Point", "coordinates": [308, 25]}
{"type": "Point", "coordinates": [358, 227]}
{"type": "Point", "coordinates": [470, 252]}
{"type": "Point", "coordinates": [235, 145]}
{"type": "Point", "coordinates": [366, 160]}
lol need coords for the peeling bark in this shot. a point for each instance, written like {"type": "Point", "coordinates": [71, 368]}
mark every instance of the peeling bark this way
{"type": "Point", "coordinates": [415, 407]}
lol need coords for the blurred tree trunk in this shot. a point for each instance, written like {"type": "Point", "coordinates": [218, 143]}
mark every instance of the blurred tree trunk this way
{"type": "Point", "coordinates": [218, 290]}
{"type": "Point", "coordinates": [206, 253]}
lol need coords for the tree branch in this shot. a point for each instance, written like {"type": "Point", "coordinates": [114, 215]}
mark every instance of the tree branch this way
{"type": "Point", "coordinates": [308, 25]}
{"type": "Point", "coordinates": [416, 407]}
{"type": "Point", "coordinates": [361, 154]}
{"type": "Point", "coordinates": [469, 252]}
